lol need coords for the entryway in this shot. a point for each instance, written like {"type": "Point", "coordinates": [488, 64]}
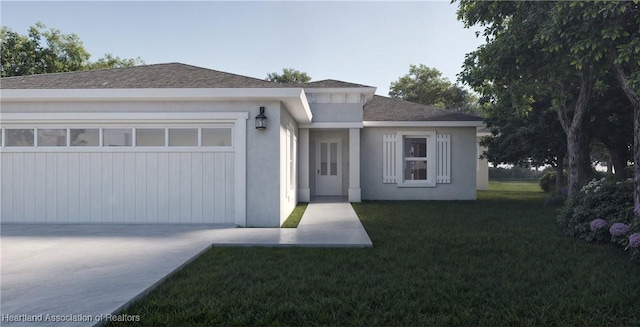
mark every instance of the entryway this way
{"type": "Point", "coordinates": [328, 167]}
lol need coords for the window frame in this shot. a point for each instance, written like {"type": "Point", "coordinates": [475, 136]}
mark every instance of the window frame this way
{"type": "Point", "coordinates": [430, 140]}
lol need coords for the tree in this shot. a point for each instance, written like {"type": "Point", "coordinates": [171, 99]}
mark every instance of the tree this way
{"type": "Point", "coordinates": [289, 76]}
{"type": "Point", "coordinates": [559, 49]}
{"type": "Point", "coordinates": [49, 51]}
{"type": "Point", "coordinates": [540, 49]}
{"type": "Point", "coordinates": [534, 138]}
{"type": "Point", "coordinates": [427, 86]}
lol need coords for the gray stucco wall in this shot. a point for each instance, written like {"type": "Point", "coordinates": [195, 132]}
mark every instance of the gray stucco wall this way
{"type": "Point", "coordinates": [336, 112]}
{"type": "Point", "coordinates": [341, 134]}
{"type": "Point", "coordinates": [463, 167]}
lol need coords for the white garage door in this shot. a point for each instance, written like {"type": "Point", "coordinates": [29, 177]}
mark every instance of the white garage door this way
{"type": "Point", "coordinates": [170, 173]}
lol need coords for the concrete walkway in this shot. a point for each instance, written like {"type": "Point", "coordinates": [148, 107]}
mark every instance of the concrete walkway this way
{"type": "Point", "coordinates": [84, 272]}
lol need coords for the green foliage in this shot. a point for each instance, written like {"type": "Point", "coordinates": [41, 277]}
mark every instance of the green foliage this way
{"type": "Point", "coordinates": [513, 173]}
{"type": "Point", "coordinates": [427, 86]}
{"type": "Point", "coordinates": [498, 261]}
{"type": "Point", "coordinates": [49, 51]}
{"type": "Point", "coordinates": [289, 76]}
{"type": "Point", "coordinates": [296, 215]}
{"type": "Point", "coordinates": [547, 181]}
{"type": "Point", "coordinates": [607, 198]}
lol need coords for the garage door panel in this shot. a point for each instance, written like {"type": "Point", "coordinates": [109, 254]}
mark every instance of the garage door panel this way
{"type": "Point", "coordinates": [229, 182]}
{"type": "Point", "coordinates": [196, 187]}
{"type": "Point", "coordinates": [185, 187]}
{"type": "Point", "coordinates": [163, 187]}
{"type": "Point", "coordinates": [73, 172]}
{"type": "Point", "coordinates": [7, 183]}
{"type": "Point", "coordinates": [118, 187]}
{"type": "Point", "coordinates": [152, 187]}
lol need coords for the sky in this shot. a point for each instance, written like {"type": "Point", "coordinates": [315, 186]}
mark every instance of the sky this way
{"type": "Point", "coordinates": [364, 42]}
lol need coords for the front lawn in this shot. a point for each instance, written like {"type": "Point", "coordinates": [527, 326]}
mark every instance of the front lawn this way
{"type": "Point", "coordinates": [501, 260]}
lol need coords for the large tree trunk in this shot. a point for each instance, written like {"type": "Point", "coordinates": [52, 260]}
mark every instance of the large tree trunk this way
{"type": "Point", "coordinates": [635, 101]}
{"type": "Point", "coordinates": [618, 161]}
{"type": "Point", "coordinates": [573, 128]}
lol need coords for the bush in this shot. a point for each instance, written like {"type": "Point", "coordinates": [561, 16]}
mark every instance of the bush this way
{"type": "Point", "coordinates": [607, 199]}
{"type": "Point", "coordinates": [548, 181]}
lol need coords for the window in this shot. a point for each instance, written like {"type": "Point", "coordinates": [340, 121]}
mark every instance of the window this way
{"type": "Point", "coordinates": [416, 159]}
{"type": "Point", "coordinates": [84, 137]}
{"type": "Point", "coordinates": [52, 137]}
{"type": "Point", "coordinates": [149, 136]}
{"type": "Point", "coordinates": [183, 137]}
{"type": "Point", "coordinates": [216, 137]}
{"type": "Point", "coordinates": [19, 137]}
{"type": "Point", "coordinates": [116, 137]}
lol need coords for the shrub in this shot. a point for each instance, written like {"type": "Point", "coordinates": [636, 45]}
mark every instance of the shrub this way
{"type": "Point", "coordinates": [547, 182]}
{"type": "Point", "coordinates": [619, 233]}
{"type": "Point", "coordinates": [605, 198]}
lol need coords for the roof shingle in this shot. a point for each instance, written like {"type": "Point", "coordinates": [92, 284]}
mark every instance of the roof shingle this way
{"type": "Point", "coordinates": [381, 108]}
{"type": "Point", "coordinates": [171, 75]}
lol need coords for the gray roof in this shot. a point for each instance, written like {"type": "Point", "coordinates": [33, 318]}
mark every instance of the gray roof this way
{"type": "Point", "coordinates": [331, 83]}
{"type": "Point", "coordinates": [381, 108]}
{"type": "Point", "coordinates": [171, 75]}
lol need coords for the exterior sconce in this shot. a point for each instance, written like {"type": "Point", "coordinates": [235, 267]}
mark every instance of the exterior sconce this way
{"type": "Point", "coordinates": [261, 120]}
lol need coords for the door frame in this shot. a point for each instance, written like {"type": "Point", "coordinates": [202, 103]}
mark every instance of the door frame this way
{"type": "Point", "coordinates": [337, 188]}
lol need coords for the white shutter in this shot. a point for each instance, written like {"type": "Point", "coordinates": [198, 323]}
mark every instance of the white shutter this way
{"type": "Point", "coordinates": [389, 161]}
{"type": "Point", "coordinates": [443, 157]}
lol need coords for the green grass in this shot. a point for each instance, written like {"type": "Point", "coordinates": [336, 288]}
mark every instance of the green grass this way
{"type": "Point", "coordinates": [294, 218]}
{"type": "Point", "coordinates": [498, 261]}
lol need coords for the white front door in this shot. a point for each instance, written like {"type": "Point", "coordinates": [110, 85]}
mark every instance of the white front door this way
{"type": "Point", "coordinates": [329, 167]}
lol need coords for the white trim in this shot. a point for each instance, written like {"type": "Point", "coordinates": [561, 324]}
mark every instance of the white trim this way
{"type": "Point", "coordinates": [345, 90]}
{"type": "Point", "coordinates": [147, 94]}
{"type": "Point", "coordinates": [239, 142]}
{"type": "Point", "coordinates": [354, 165]}
{"type": "Point", "coordinates": [422, 123]}
{"type": "Point", "coordinates": [123, 117]}
{"type": "Point", "coordinates": [430, 158]}
{"type": "Point", "coordinates": [304, 193]}
{"type": "Point", "coordinates": [294, 98]}
{"type": "Point", "coordinates": [332, 125]}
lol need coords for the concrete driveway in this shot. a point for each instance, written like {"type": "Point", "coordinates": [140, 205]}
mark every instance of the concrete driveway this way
{"type": "Point", "coordinates": [82, 272]}
{"type": "Point", "coordinates": [74, 275]}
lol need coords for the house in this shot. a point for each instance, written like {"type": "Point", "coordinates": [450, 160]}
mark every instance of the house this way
{"type": "Point", "coordinates": [173, 143]}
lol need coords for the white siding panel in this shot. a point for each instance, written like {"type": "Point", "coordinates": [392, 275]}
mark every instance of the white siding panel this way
{"type": "Point", "coordinates": [174, 187]}
{"type": "Point", "coordinates": [62, 186]}
{"type": "Point", "coordinates": [219, 184]}
{"type": "Point", "coordinates": [118, 168]}
{"type": "Point", "coordinates": [163, 188]}
{"type": "Point", "coordinates": [118, 187]}
{"type": "Point", "coordinates": [18, 186]}
{"type": "Point", "coordinates": [152, 188]}
{"type": "Point", "coordinates": [7, 183]}
{"type": "Point", "coordinates": [73, 192]}
{"type": "Point", "coordinates": [208, 188]}
{"type": "Point", "coordinates": [229, 182]}
{"type": "Point", "coordinates": [185, 188]}
{"type": "Point", "coordinates": [129, 187]}
{"type": "Point", "coordinates": [107, 187]}
{"type": "Point", "coordinates": [84, 187]}
{"type": "Point", "coordinates": [95, 170]}
{"type": "Point", "coordinates": [196, 187]}
{"type": "Point", "coordinates": [29, 187]}
{"type": "Point", "coordinates": [50, 187]}
{"type": "Point", "coordinates": [141, 187]}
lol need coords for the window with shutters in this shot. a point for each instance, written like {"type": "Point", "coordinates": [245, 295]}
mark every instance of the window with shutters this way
{"type": "Point", "coordinates": [416, 159]}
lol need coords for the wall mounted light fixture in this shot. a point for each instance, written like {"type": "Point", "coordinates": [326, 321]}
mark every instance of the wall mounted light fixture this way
{"type": "Point", "coordinates": [261, 120]}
